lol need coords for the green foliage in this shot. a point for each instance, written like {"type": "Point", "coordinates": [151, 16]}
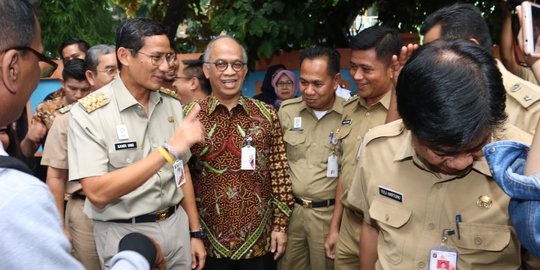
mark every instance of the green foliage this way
{"type": "Point", "coordinates": [91, 20]}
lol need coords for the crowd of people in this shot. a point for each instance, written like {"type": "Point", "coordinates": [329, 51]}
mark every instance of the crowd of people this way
{"type": "Point", "coordinates": [153, 162]}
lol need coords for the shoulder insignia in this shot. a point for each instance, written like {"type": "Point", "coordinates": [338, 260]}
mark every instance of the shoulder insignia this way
{"type": "Point", "coordinates": [169, 92]}
{"type": "Point", "coordinates": [524, 94]}
{"type": "Point", "coordinates": [65, 109]}
{"type": "Point", "coordinates": [94, 101]}
{"type": "Point", "coordinates": [388, 130]}
{"type": "Point", "coordinates": [351, 100]}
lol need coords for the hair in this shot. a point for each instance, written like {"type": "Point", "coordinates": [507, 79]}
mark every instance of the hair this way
{"type": "Point", "coordinates": [83, 45]}
{"type": "Point", "coordinates": [460, 21]}
{"type": "Point", "coordinates": [74, 69]}
{"type": "Point", "coordinates": [91, 60]}
{"type": "Point", "coordinates": [317, 51]}
{"type": "Point", "coordinates": [131, 33]}
{"type": "Point", "coordinates": [207, 52]}
{"type": "Point", "coordinates": [193, 68]}
{"type": "Point", "coordinates": [17, 24]}
{"type": "Point", "coordinates": [450, 93]}
{"type": "Point", "coordinates": [385, 40]}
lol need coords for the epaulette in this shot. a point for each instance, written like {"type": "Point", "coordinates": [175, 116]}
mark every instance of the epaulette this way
{"type": "Point", "coordinates": [94, 101]}
{"type": "Point", "coordinates": [169, 92]}
{"type": "Point", "coordinates": [388, 130]}
{"type": "Point", "coordinates": [295, 100]}
{"type": "Point", "coordinates": [351, 100]}
{"type": "Point", "coordinates": [65, 109]}
{"type": "Point", "coordinates": [524, 94]}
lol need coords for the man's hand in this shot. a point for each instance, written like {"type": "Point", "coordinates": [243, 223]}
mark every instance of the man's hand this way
{"type": "Point", "coordinates": [198, 254]}
{"type": "Point", "coordinates": [330, 244]}
{"type": "Point", "coordinates": [36, 132]}
{"type": "Point", "coordinates": [277, 243]}
{"type": "Point", "coordinates": [159, 263]}
{"type": "Point", "coordinates": [398, 62]}
{"type": "Point", "coordinates": [189, 132]}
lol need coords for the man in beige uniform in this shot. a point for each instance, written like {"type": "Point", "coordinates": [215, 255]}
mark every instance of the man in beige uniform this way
{"type": "Point", "coordinates": [371, 69]}
{"type": "Point", "coordinates": [309, 123]}
{"type": "Point", "coordinates": [465, 21]}
{"type": "Point", "coordinates": [120, 139]}
{"type": "Point", "coordinates": [101, 68]}
{"type": "Point", "coordinates": [422, 183]}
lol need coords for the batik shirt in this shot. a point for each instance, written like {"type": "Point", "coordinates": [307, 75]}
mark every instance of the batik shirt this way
{"type": "Point", "coordinates": [240, 208]}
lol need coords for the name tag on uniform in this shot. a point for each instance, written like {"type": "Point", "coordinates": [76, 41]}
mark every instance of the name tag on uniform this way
{"type": "Point", "coordinates": [388, 193]}
{"type": "Point", "coordinates": [125, 145]}
{"type": "Point", "coordinates": [346, 122]}
{"type": "Point", "coordinates": [297, 123]}
{"type": "Point", "coordinates": [122, 132]}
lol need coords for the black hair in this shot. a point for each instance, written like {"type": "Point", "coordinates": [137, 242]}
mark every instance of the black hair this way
{"type": "Point", "coordinates": [193, 68]}
{"type": "Point", "coordinates": [83, 45]}
{"type": "Point", "coordinates": [385, 40]}
{"type": "Point", "coordinates": [450, 93]}
{"type": "Point", "coordinates": [17, 24]}
{"type": "Point", "coordinates": [317, 51]}
{"type": "Point", "coordinates": [74, 69]}
{"type": "Point", "coordinates": [460, 21]}
{"type": "Point", "coordinates": [131, 33]}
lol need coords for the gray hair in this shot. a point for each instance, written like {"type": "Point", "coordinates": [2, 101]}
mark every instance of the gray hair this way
{"type": "Point", "coordinates": [92, 55]}
{"type": "Point", "coordinates": [206, 57]}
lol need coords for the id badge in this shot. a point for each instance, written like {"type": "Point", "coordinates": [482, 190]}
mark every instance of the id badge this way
{"type": "Point", "coordinates": [332, 170]}
{"type": "Point", "coordinates": [179, 176]}
{"type": "Point", "coordinates": [443, 258]}
{"type": "Point", "coordinates": [248, 158]}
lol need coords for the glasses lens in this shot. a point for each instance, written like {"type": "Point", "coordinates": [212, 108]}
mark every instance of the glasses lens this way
{"type": "Point", "coordinates": [237, 65]}
{"type": "Point", "coordinates": [221, 65]}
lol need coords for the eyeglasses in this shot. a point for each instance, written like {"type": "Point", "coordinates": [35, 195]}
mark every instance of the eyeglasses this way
{"type": "Point", "coordinates": [158, 59]}
{"type": "Point", "coordinates": [109, 71]}
{"type": "Point", "coordinates": [284, 84]}
{"type": "Point", "coordinates": [46, 71]}
{"type": "Point", "coordinates": [222, 65]}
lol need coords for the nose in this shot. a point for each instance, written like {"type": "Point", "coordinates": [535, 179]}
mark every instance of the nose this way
{"type": "Point", "coordinates": [358, 75]}
{"type": "Point", "coordinates": [460, 162]}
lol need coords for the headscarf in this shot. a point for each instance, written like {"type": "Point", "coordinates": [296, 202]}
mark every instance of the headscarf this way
{"type": "Point", "coordinates": [268, 93]}
{"type": "Point", "coordinates": [292, 77]}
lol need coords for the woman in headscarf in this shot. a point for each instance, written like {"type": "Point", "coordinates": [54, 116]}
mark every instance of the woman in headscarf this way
{"type": "Point", "coordinates": [268, 93]}
{"type": "Point", "coordinates": [286, 86]}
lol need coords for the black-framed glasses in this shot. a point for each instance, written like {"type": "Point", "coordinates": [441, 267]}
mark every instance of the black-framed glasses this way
{"type": "Point", "coordinates": [157, 59]}
{"type": "Point", "coordinates": [47, 70]}
{"type": "Point", "coordinates": [222, 65]}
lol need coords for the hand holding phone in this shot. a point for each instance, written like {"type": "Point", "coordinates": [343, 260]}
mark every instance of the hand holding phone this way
{"type": "Point", "coordinates": [531, 28]}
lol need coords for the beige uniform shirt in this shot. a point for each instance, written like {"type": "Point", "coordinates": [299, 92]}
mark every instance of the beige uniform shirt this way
{"type": "Point", "coordinates": [118, 134]}
{"type": "Point", "coordinates": [412, 205]}
{"type": "Point", "coordinates": [522, 100]}
{"type": "Point", "coordinates": [526, 74]}
{"type": "Point", "coordinates": [358, 118]}
{"type": "Point", "coordinates": [308, 147]}
{"type": "Point", "coordinates": [55, 149]}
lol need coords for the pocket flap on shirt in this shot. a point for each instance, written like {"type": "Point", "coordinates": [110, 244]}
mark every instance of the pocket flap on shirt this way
{"type": "Point", "coordinates": [391, 214]}
{"type": "Point", "coordinates": [489, 237]}
{"type": "Point", "coordinates": [294, 137]}
{"type": "Point", "coordinates": [343, 132]}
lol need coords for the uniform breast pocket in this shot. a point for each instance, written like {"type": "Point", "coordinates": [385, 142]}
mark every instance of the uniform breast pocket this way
{"type": "Point", "coordinates": [296, 147]}
{"type": "Point", "coordinates": [123, 158]}
{"type": "Point", "coordinates": [484, 241]}
{"type": "Point", "coordinates": [390, 217]}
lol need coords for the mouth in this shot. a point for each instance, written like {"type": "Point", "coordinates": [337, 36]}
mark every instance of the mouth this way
{"type": "Point", "coordinates": [361, 85]}
{"type": "Point", "coordinates": [229, 83]}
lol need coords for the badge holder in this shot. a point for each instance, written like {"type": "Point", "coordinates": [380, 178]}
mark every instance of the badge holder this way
{"type": "Point", "coordinates": [178, 168]}
{"type": "Point", "coordinates": [443, 257]}
{"type": "Point", "coordinates": [332, 170]}
{"type": "Point", "coordinates": [248, 159]}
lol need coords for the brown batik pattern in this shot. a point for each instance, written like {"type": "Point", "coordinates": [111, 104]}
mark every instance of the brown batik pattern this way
{"type": "Point", "coordinates": [47, 110]}
{"type": "Point", "coordinates": [240, 208]}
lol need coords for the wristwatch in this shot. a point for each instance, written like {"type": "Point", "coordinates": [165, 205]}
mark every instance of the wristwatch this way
{"type": "Point", "coordinates": [198, 234]}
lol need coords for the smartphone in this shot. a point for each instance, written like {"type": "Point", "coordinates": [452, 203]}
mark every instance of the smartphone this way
{"type": "Point", "coordinates": [531, 28]}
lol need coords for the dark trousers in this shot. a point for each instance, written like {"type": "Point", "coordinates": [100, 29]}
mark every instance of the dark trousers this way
{"type": "Point", "coordinates": [265, 262]}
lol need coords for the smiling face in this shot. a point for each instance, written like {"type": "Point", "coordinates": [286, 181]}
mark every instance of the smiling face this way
{"type": "Point", "coordinates": [371, 76]}
{"type": "Point", "coordinates": [226, 84]}
{"type": "Point", "coordinates": [285, 87]}
{"type": "Point", "coordinates": [318, 88]}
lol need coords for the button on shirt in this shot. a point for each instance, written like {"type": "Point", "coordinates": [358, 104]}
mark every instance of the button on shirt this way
{"type": "Point", "coordinates": [412, 205]}
{"type": "Point", "coordinates": [92, 152]}
{"type": "Point", "coordinates": [309, 147]}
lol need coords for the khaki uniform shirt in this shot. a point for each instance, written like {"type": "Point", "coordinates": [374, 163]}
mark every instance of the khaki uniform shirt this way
{"type": "Point", "coordinates": [55, 149]}
{"type": "Point", "coordinates": [522, 100]}
{"type": "Point", "coordinates": [309, 146]}
{"type": "Point", "coordinates": [96, 146]}
{"type": "Point", "coordinates": [358, 118]}
{"type": "Point", "coordinates": [526, 74]}
{"type": "Point", "coordinates": [412, 205]}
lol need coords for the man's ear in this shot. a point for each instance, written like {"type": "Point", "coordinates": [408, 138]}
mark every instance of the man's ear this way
{"type": "Point", "coordinates": [90, 77]}
{"type": "Point", "coordinates": [206, 70]}
{"type": "Point", "coordinates": [194, 84]}
{"type": "Point", "coordinates": [337, 80]}
{"type": "Point", "coordinates": [123, 54]}
{"type": "Point", "coordinates": [10, 70]}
